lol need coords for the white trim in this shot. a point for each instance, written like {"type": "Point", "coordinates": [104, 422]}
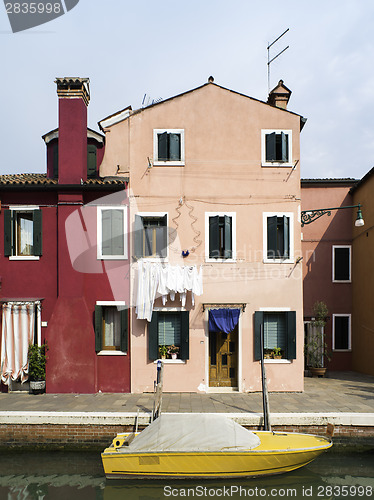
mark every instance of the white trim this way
{"type": "Point", "coordinates": [233, 236]}
{"type": "Point", "coordinates": [178, 361]}
{"type": "Point", "coordinates": [275, 309]}
{"type": "Point", "coordinates": [171, 361]}
{"type": "Point", "coordinates": [100, 256]}
{"type": "Point", "coordinates": [349, 333]}
{"type": "Point", "coordinates": [350, 263]}
{"type": "Point", "coordinates": [170, 163]}
{"type": "Point", "coordinates": [23, 208]}
{"type": "Point", "coordinates": [24, 257]}
{"type": "Point", "coordinates": [265, 163]}
{"type": "Point", "coordinates": [111, 353]}
{"type": "Point", "coordinates": [279, 361]}
{"type": "Point", "coordinates": [119, 304]}
{"type": "Point", "coordinates": [155, 258]}
{"type": "Point", "coordinates": [291, 258]}
{"type": "Point", "coordinates": [112, 120]}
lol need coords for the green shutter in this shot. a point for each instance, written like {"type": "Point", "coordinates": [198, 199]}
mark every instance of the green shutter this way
{"type": "Point", "coordinates": [153, 337]}
{"type": "Point", "coordinates": [174, 147]}
{"type": "Point", "coordinates": [185, 335]}
{"type": "Point", "coordinates": [272, 237]}
{"type": "Point", "coordinates": [284, 142]}
{"type": "Point", "coordinates": [286, 237]}
{"type": "Point", "coordinates": [258, 322]}
{"type": "Point", "coordinates": [138, 236]}
{"type": "Point", "coordinates": [228, 237]}
{"type": "Point", "coordinates": [163, 150]}
{"type": "Point", "coordinates": [124, 315]}
{"type": "Point", "coordinates": [291, 334]}
{"type": "Point", "coordinates": [8, 244]}
{"type": "Point", "coordinates": [55, 160]}
{"type": "Point", "coordinates": [271, 154]}
{"type": "Point", "coordinates": [38, 232]}
{"type": "Point", "coordinates": [98, 327]}
{"type": "Point", "coordinates": [91, 161]}
{"type": "Point", "coordinates": [214, 237]}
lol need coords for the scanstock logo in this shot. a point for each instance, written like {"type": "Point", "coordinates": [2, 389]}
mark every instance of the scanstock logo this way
{"type": "Point", "coordinates": [28, 14]}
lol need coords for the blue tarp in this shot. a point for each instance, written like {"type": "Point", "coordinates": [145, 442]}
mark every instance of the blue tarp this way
{"type": "Point", "coordinates": [223, 320]}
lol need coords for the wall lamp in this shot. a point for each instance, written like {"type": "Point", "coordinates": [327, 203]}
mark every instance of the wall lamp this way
{"type": "Point", "coordinates": [308, 216]}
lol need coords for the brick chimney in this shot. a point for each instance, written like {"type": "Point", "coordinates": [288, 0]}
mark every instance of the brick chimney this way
{"type": "Point", "coordinates": [74, 96]}
{"type": "Point", "coordinates": [279, 96]}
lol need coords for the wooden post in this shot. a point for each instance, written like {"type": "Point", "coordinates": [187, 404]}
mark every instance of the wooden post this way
{"type": "Point", "coordinates": [265, 395]}
{"type": "Point", "coordinates": [157, 403]}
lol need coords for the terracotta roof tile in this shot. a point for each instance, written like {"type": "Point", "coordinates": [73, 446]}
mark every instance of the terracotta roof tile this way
{"type": "Point", "coordinates": [42, 179]}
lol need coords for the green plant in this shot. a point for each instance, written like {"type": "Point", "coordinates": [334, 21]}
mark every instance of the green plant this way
{"type": "Point", "coordinates": [173, 349]}
{"type": "Point", "coordinates": [37, 360]}
{"type": "Point", "coordinates": [315, 346]}
{"type": "Point", "coordinates": [277, 351]}
{"type": "Point", "coordinates": [163, 350]}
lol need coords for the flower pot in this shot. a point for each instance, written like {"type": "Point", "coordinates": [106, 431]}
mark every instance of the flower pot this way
{"type": "Point", "coordinates": [317, 372]}
{"type": "Point", "coordinates": [173, 355]}
{"type": "Point", "coordinates": [37, 386]}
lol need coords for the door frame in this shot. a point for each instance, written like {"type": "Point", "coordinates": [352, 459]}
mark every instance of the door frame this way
{"type": "Point", "coordinates": [240, 364]}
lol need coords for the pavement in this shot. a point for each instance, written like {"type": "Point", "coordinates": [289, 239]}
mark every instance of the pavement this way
{"type": "Point", "coordinates": [340, 392]}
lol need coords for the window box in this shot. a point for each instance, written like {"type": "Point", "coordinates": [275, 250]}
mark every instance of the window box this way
{"type": "Point", "coordinates": [112, 232]}
{"type": "Point", "coordinates": [168, 147]}
{"type": "Point", "coordinates": [220, 237]}
{"type": "Point", "coordinates": [151, 235]}
{"type": "Point", "coordinates": [23, 233]}
{"type": "Point", "coordinates": [111, 327]}
{"type": "Point", "coordinates": [276, 148]}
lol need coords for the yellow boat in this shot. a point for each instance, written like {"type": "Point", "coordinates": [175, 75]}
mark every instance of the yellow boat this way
{"type": "Point", "coordinates": [207, 446]}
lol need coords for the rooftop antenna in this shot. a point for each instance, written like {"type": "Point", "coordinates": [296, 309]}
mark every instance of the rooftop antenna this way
{"type": "Point", "coordinates": [279, 53]}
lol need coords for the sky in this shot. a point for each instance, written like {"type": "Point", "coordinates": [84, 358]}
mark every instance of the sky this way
{"type": "Point", "coordinates": [129, 48]}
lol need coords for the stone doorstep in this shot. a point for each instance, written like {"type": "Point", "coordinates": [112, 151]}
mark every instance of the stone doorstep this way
{"type": "Point", "coordinates": [128, 418]}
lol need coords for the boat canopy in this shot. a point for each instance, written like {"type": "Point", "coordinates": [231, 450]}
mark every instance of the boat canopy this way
{"type": "Point", "coordinates": [193, 432]}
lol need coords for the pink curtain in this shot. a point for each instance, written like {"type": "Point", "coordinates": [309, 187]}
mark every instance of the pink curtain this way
{"type": "Point", "coordinates": [18, 328]}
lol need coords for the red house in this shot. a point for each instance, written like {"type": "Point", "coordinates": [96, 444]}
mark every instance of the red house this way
{"type": "Point", "coordinates": [65, 261]}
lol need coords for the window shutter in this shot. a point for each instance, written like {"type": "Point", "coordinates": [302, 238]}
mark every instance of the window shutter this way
{"type": "Point", "coordinates": [106, 232]}
{"type": "Point", "coordinates": [291, 334]}
{"type": "Point", "coordinates": [214, 237]}
{"type": "Point", "coordinates": [286, 237]}
{"type": "Point", "coordinates": [153, 337]}
{"type": "Point", "coordinates": [8, 221]}
{"type": "Point", "coordinates": [185, 335]}
{"type": "Point", "coordinates": [138, 236]}
{"type": "Point", "coordinates": [228, 237]}
{"type": "Point", "coordinates": [91, 161]}
{"type": "Point", "coordinates": [162, 152]}
{"type": "Point", "coordinates": [271, 154]}
{"type": "Point", "coordinates": [124, 315]}
{"type": "Point", "coordinates": [162, 237]}
{"type": "Point", "coordinates": [55, 161]}
{"type": "Point", "coordinates": [258, 321]}
{"type": "Point", "coordinates": [175, 147]}
{"type": "Point", "coordinates": [117, 232]}
{"type": "Point", "coordinates": [284, 142]}
{"type": "Point", "coordinates": [38, 233]}
{"type": "Point", "coordinates": [272, 237]}
{"type": "Point", "coordinates": [98, 327]}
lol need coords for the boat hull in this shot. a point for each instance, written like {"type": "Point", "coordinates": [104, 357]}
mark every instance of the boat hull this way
{"type": "Point", "coordinates": [277, 454]}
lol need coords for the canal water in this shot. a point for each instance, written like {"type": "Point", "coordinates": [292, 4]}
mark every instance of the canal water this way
{"type": "Point", "coordinates": [79, 476]}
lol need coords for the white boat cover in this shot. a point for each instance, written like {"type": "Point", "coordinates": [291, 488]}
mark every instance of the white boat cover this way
{"type": "Point", "coordinates": [193, 432]}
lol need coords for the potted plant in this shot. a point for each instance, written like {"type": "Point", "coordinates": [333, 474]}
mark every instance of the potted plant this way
{"type": "Point", "coordinates": [37, 360]}
{"type": "Point", "coordinates": [268, 353]}
{"type": "Point", "coordinates": [315, 346]}
{"type": "Point", "coordinates": [173, 351]}
{"type": "Point", "coordinates": [277, 353]}
{"type": "Point", "coordinates": [163, 350]}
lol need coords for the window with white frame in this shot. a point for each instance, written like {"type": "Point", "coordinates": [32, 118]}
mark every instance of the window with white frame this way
{"type": "Point", "coordinates": [151, 235]}
{"type": "Point", "coordinates": [168, 147]}
{"type": "Point", "coordinates": [112, 232]}
{"type": "Point", "coordinates": [341, 332]}
{"type": "Point", "coordinates": [341, 263]}
{"type": "Point", "coordinates": [278, 237]}
{"type": "Point", "coordinates": [23, 232]}
{"type": "Point", "coordinates": [279, 330]}
{"type": "Point", "coordinates": [276, 148]}
{"type": "Point", "coordinates": [220, 236]}
{"type": "Point", "coordinates": [111, 327]}
{"type": "Point", "coordinates": [168, 334]}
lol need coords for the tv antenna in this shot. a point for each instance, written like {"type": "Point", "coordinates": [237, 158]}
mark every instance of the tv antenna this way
{"type": "Point", "coordinates": [279, 53]}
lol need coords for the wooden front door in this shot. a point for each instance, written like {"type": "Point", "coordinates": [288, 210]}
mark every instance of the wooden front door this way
{"type": "Point", "coordinates": [223, 359]}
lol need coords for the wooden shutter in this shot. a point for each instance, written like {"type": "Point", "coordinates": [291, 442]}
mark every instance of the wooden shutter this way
{"type": "Point", "coordinates": [185, 335]}
{"type": "Point", "coordinates": [138, 236]}
{"type": "Point", "coordinates": [117, 232]}
{"type": "Point", "coordinates": [106, 232]}
{"type": "Point", "coordinates": [55, 160]}
{"type": "Point", "coordinates": [162, 237]}
{"type": "Point", "coordinates": [163, 150]}
{"type": "Point", "coordinates": [175, 147]}
{"type": "Point", "coordinates": [272, 237]}
{"type": "Point", "coordinates": [270, 146]}
{"type": "Point", "coordinates": [258, 321]}
{"type": "Point", "coordinates": [91, 160]}
{"type": "Point", "coordinates": [8, 243]}
{"type": "Point", "coordinates": [98, 327]}
{"type": "Point", "coordinates": [286, 237]}
{"type": "Point", "coordinates": [228, 237]}
{"type": "Point", "coordinates": [214, 237]}
{"type": "Point", "coordinates": [124, 316]}
{"type": "Point", "coordinates": [37, 232]}
{"type": "Point", "coordinates": [284, 143]}
{"type": "Point", "coordinates": [291, 334]}
{"type": "Point", "coordinates": [153, 337]}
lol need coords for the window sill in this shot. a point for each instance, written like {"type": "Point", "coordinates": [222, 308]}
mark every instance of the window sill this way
{"type": "Point", "coordinates": [219, 261]}
{"type": "Point", "coordinates": [112, 257]}
{"type": "Point", "coordinates": [155, 259]}
{"type": "Point", "coordinates": [24, 257]}
{"type": "Point", "coordinates": [277, 164]}
{"type": "Point", "coordinates": [341, 350]}
{"type": "Point", "coordinates": [171, 361]}
{"type": "Point", "coordinates": [342, 281]}
{"type": "Point", "coordinates": [112, 353]}
{"type": "Point", "coordinates": [278, 261]}
{"type": "Point", "coordinates": [168, 163]}
{"type": "Point", "coordinates": [280, 361]}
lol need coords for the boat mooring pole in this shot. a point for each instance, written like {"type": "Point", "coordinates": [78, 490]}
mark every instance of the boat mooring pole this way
{"type": "Point", "coordinates": [265, 395]}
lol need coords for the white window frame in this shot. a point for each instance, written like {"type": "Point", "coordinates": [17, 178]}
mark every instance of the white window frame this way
{"type": "Point", "coordinates": [100, 255]}
{"type": "Point", "coordinates": [23, 208]}
{"type": "Point", "coordinates": [349, 332]}
{"type": "Point", "coordinates": [264, 163]}
{"type": "Point", "coordinates": [291, 257]}
{"type": "Point", "coordinates": [350, 264]}
{"type": "Point", "coordinates": [116, 303]}
{"type": "Point", "coordinates": [171, 361]}
{"type": "Point", "coordinates": [283, 361]}
{"type": "Point", "coordinates": [157, 215]}
{"type": "Point", "coordinates": [233, 236]}
{"type": "Point", "coordinates": [168, 163]}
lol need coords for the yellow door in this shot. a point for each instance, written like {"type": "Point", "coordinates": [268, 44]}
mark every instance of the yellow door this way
{"type": "Point", "coordinates": [223, 359]}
